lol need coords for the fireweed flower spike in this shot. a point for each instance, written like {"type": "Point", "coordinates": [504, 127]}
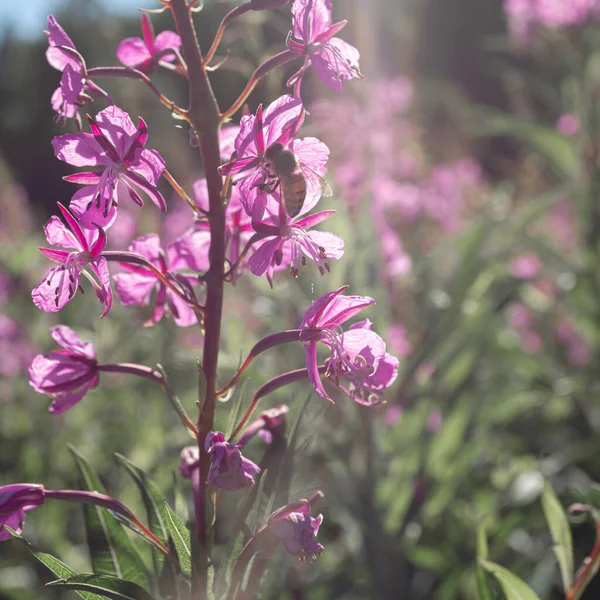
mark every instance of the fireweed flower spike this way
{"type": "Point", "coordinates": [136, 286]}
{"type": "Point", "coordinates": [355, 354]}
{"type": "Point", "coordinates": [66, 374]}
{"type": "Point", "coordinates": [116, 145]}
{"type": "Point", "coordinates": [61, 283]}
{"type": "Point", "coordinates": [15, 501]}
{"type": "Point", "coordinates": [144, 53]}
{"type": "Point", "coordinates": [332, 59]}
{"type": "Point", "coordinates": [288, 243]}
{"type": "Point", "coordinates": [229, 470]}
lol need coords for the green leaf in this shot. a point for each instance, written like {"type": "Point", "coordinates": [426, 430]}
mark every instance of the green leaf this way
{"type": "Point", "coordinates": [513, 587]}
{"type": "Point", "coordinates": [58, 568]}
{"type": "Point", "coordinates": [108, 587]}
{"type": "Point", "coordinates": [180, 535]}
{"type": "Point", "coordinates": [112, 552]}
{"type": "Point", "coordinates": [235, 409]}
{"type": "Point", "coordinates": [154, 502]}
{"type": "Point", "coordinates": [561, 535]}
{"type": "Point", "coordinates": [483, 586]}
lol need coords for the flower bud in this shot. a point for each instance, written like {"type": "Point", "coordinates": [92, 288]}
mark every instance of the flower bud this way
{"type": "Point", "coordinates": [15, 501]}
{"type": "Point", "coordinates": [229, 470]}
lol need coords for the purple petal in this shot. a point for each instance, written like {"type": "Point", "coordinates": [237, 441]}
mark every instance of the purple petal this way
{"type": "Point", "coordinates": [183, 314]}
{"type": "Point", "coordinates": [164, 40]}
{"type": "Point", "coordinates": [314, 219]}
{"type": "Point", "coordinates": [57, 37]}
{"type": "Point", "coordinates": [61, 106]}
{"type": "Point", "coordinates": [154, 194]}
{"type": "Point", "coordinates": [118, 128]}
{"type": "Point", "coordinates": [331, 243]}
{"type": "Point", "coordinates": [313, 371]}
{"type": "Point", "coordinates": [263, 256]}
{"type": "Point", "coordinates": [149, 164]}
{"type": "Point", "coordinates": [75, 228]}
{"type": "Point", "coordinates": [190, 251]}
{"type": "Point", "coordinates": [66, 338]}
{"type": "Point", "coordinates": [341, 308]}
{"type": "Point", "coordinates": [133, 52]}
{"type": "Point", "coordinates": [63, 402]}
{"type": "Point", "coordinates": [314, 311]}
{"type": "Point", "coordinates": [58, 234]}
{"type": "Point", "coordinates": [89, 178]}
{"type": "Point", "coordinates": [147, 246]}
{"type": "Point", "coordinates": [282, 119]}
{"type": "Point", "coordinates": [71, 84]}
{"type": "Point", "coordinates": [310, 18]}
{"type": "Point", "coordinates": [201, 193]}
{"type": "Point", "coordinates": [385, 374]}
{"type": "Point", "coordinates": [133, 288]}
{"type": "Point", "coordinates": [100, 268]}
{"type": "Point", "coordinates": [57, 288]}
{"type": "Point", "coordinates": [79, 150]}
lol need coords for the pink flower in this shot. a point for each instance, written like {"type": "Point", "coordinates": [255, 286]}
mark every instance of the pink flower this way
{"type": "Point", "coordinates": [15, 348]}
{"type": "Point", "coordinates": [67, 374]}
{"type": "Point", "coordinates": [398, 339]}
{"type": "Point", "coordinates": [577, 349]}
{"type": "Point", "coordinates": [63, 56]}
{"type": "Point", "coordinates": [145, 54]}
{"type": "Point", "coordinates": [269, 421]}
{"type": "Point", "coordinates": [229, 470]}
{"type": "Point", "coordinates": [288, 242]}
{"type": "Point", "coordinates": [294, 526]}
{"type": "Point", "coordinates": [117, 147]}
{"type": "Point", "coordinates": [189, 461]}
{"type": "Point", "coordinates": [332, 59]}
{"type": "Point", "coordinates": [238, 228]}
{"type": "Point", "coordinates": [568, 124]}
{"type": "Point", "coordinates": [355, 354]}
{"type": "Point", "coordinates": [136, 286]}
{"type": "Point", "coordinates": [15, 500]}
{"type": "Point", "coordinates": [518, 316]}
{"type": "Point", "coordinates": [277, 125]}
{"type": "Point", "coordinates": [525, 266]}
{"type": "Point", "coordinates": [61, 283]}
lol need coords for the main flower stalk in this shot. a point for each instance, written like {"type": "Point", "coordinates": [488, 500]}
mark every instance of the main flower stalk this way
{"type": "Point", "coordinates": [203, 113]}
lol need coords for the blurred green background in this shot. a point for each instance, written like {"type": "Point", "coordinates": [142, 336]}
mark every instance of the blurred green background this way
{"type": "Point", "coordinates": [469, 217]}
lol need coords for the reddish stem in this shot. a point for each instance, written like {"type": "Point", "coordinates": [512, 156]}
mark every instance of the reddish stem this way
{"type": "Point", "coordinates": [272, 63]}
{"type": "Point", "coordinates": [284, 337]}
{"type": "Point", "coordinates": [232, 14]}
{"type": "Point", "coordinates": [585, 575]}
{"type": "Point", "coordinates": [135, 74]}
{"type": "Point", "coordinates": [203, 114]}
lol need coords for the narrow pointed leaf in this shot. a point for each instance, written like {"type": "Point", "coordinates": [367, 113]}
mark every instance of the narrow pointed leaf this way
{"type": "Point", "coordinates": [108, 587]}
{"type": "Point", "coordinates": [111, 550]}
{"type": "Point", "coordinates": [513, 587]}
{"type": "Point", "coordinates": [57, 567]}
{"type": "Point", "coordinates": [258, 507]}
{"type": "Point", "coordinates": [180, 535]}
{"type": "Point", "coordinates": [483, 586]}
{"type": "Point", "coordinates": [561, 536]}
{"type": "Point", "coordinates": [154, 502]}
{"type": "Point", "coordinates": [235, 409]}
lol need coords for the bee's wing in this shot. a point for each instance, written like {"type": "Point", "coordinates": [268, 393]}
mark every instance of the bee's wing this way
{"type": "Point", "coordinates": [314, 180]}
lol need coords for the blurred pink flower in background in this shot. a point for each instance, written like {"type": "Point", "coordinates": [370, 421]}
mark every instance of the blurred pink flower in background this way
{"type": "Point", "coordinates": [15, 348]}
{"type": "Point", "coordinates": [577, 349]}
{"type": "Point", "coordinates": [398, 340]}
{"type": "Point", "coordinates": [568, 124]}
{"type": "Point", "coordinates": [525, 266]}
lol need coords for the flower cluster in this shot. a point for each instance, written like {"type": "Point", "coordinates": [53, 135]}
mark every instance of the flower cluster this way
{"type": "Point", "coordinates": [525, 16]}
{"type": "Point", "coordinates": [252, 212]}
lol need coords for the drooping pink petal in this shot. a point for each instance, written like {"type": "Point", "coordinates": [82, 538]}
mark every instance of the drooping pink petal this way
{"type": "Point", "coordinates": [100, 268]}
{"type": "Point", "coordinates": [183, 314]}
{"type": "Point", "coordinates": [156, 197]}
{"type": "Point", "coordinates": [282, 119]}
{"type": "Point", "coordinates": [331, 243]}
{"type": "Point", "coordinates": [167, 39]}
{"type": "Point", "coordinates": [312, 367]}
{"type": "Point", "coordinates": [66, 338]}
{"type": "Point", "coordinates": [57, 37]}
{"type": "Point", "coordinates": [310, 18]}
{"type": "Point", "coordinates": [82, 243]}
{"type": "Point", "coordinates": [150, 165]}
{"type": "Point", "coordinates": [134, 288]}
{"type": "Point", "coordinates": [63, 402]}
{"type": "Point", "coordinates": [341, 308]}
{"type": "Point", "coordinates": [263, 256]}
{"type": "Point", "coordinates": [133, 52]}
{"type": "Point", "coordinates": [56, 289]}
{"type": "Point", "coordinates": [147, 31]}
{"type": "Point", "coordinates": [71, 84]}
